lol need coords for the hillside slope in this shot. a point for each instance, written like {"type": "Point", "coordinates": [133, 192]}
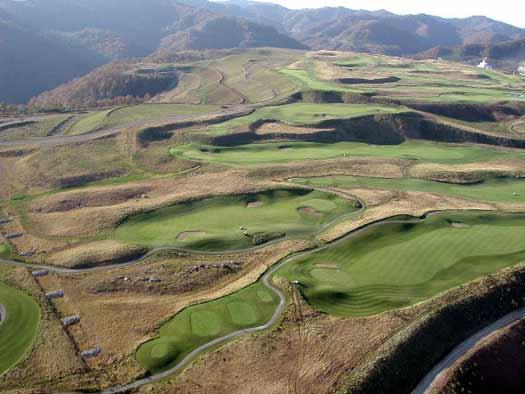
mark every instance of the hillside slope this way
{"type": "Point", "coordinates": [31, 63]}
{"type": "Point", "coordinates": [370, 31]}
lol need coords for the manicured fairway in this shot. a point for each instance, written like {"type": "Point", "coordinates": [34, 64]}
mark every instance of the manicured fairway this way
{"type": "Point", "coordinates": [199, 324]}
{"type": "Point", "coordinates": [295, 151]}
{"type": "Point", "coordinates": [496, 190]}
{"type": "Point", "coordinates": [398, 264]}
{"type": "Point", "coordinates": [305, 113]}
{"type": "Point", "coordinates": [20, 328]}
{"type": "Point", "coordinates": [215, 223]}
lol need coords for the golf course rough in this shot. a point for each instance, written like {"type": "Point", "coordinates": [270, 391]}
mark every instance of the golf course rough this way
{"type": "Point", "coordinates": [199, 324]}
{"type": "Point", "coordinates": [235, 221]}
{"type": "Point", "coordinates": [20, 327]}
{"type": "Point", "coordinates": [403, 262]}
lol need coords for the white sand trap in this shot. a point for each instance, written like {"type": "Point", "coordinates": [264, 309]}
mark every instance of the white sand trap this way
{"type": "Point", "coordinates": [459, 225]}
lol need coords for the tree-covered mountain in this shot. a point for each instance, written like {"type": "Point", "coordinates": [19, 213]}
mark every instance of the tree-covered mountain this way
{"type": "Point", "coordinates": [371, 31]}
{"type": "Point", "coordinates": [31, 63]}
{"type": "Point", "coordinates": [71, 37]}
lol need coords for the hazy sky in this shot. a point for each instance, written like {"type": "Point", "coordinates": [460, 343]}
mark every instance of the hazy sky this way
{"type": "Point", "coordinates": [510, 11]}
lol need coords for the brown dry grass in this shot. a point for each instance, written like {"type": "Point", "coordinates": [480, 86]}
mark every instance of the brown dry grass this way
{"type": "Point", "coordinates": [121, 318]}
{"type": "Point", "coordinates": [90, 220]}
{"type": "Point", "coordinates": [387, 168]}
{"type": "Point", "coordinates": [401, 203]}
{"type": "Point", "coordinates": [29, 241]}
{"type": "Point", "coordinates": [280, 127]}
{"type": "Point", "coordinates": [501, 167]}
{"type": "Point", "coordinates": [95, 254]}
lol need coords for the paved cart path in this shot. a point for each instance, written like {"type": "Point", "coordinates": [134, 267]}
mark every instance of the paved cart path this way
{"type": "Point", "coordinates": [441, 368]}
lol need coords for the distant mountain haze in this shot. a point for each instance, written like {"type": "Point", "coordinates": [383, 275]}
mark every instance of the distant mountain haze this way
{"type": "Point", "coordinates": [44, 43]}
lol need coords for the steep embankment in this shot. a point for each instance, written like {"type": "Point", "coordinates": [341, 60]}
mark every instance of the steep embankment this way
{"type": "Point", "coordinates": [382, 129]}
{"type": "Point", "coordinates": [399, 364]}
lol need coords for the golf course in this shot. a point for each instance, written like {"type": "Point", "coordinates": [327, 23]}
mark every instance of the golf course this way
{"type": "Point", "coordinates": [493, 190]}
{"type": "Point", "coordinates": [403, 262]}
{"type": "Point", "coordinates": [235, 222]}
{"type": "Point", "coordinates": [20, 327]}
{"type": "Point", "coordinates": [395, 264]}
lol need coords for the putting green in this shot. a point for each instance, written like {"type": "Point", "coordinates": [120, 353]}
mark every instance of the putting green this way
{"type": "Point", "coordinates": [20, 327]}
{"type": "Point", "coordinates": [242, 313]}
{"type": "Point", "coordinates": [496, 190]}
{"type": "Point", "coordinates": [199, 324]}
{"type": "Point", "coordinates": [232, 222]}
{"type": "Point", "coordinates": [205, 323]}
{"type": "Point", "coordinates": [398, 264]}
{"type": "Point", "coordinates": [253, 154]}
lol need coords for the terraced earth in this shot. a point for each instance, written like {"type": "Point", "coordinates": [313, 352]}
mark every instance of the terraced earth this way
{"type": "Point", "coordinates": [508, 190]}
{"type": "Point", "coordinates": [187, 175]}
{"type": "Point", "coordinates": [235, 222]}
{"type": "Point", "coordinates": [400, 263]}
{"type": "Point", "coordinates": [20, 327]}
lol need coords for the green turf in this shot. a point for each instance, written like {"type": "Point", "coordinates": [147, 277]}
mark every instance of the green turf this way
{"type": "Point", "coordinates": [215, 223]}
{"type": "Point", "coordinates": [444, 82]}
{"type": "Point", "coordinates": [254, 154]}
{"type": "Point", "coordinates": [199, 324]}
{"type": "Point", "coordinates": [304, 113]}
{"type": "Point", "coordinates": [150, 111]}
{"type": "Point", "coordinates": [20, 328]}
{"type": "Point", "coordinates": [5, 250]}
{"type": "Point", "coordinates": [89, 122]}
{"type": "Point", "coordinates": [493, 190]}
{"type": "Point", "coordinates": [398, 264]}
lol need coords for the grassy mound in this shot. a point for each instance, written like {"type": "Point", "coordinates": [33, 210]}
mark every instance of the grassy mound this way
{"type": "Point", "coordinates": [5, 250]}
{"type": "Point", "coordinates": [234, 222]}
{"type": "Point", "coordinates": [492, 190]}
{"type": "Point", "coordinates": [199, 324]}
{"type": "Point", "coordinates": [254, 154]}
{"type": "Point", "coordinates": [399, 264]}
{"type": "Point", "coordinates": [20, 327]}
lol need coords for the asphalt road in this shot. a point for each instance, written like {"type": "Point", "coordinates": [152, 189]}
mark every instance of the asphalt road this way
{"type": "Point", "coordinates": [433, 376]}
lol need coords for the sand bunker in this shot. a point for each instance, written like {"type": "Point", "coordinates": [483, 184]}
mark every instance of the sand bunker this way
{"type": "Point", "coordinates": [459, 225]}
{"type": "Point", "coordinates": [189, 234]}
{"type": "Point", "coordinates": [255, 204]}
{"type": "Point", "coordinates": [309, 211]}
